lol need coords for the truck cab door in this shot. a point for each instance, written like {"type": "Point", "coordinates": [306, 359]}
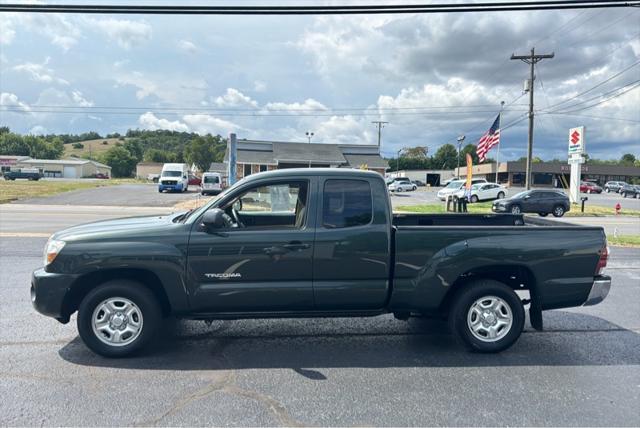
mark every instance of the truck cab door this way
{"type": "Point", "coordinates": [263, 265]}
{"type": "Point", "coordinates": [351, 264]}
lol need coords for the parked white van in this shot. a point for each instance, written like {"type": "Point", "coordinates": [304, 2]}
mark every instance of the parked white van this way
{"type": "Point", "coordinates": [211, 183]}
{"type": "Point", "coordinates": [174, 177]}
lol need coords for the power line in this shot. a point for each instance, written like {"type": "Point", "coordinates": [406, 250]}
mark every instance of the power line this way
{"type": "Point", "coordinates": [597, 85]}
{"type": "Point", "coordinates": [316, 10]}
{"type": "Point", "coordinates": [636, 85]}
{"type": "Point", "coordinates": [620, 119]}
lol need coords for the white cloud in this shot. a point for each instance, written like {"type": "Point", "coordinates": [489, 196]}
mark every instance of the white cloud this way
{"type": "Point", "coordinates": [149, 121]}
{"type": "Point", "coordinates": [124, 32]}
{"type": "Point", "coordinates": [309, 105]}
{"type": "Point", "coordinates": [79, 99]}
{"type": "Point", "coordinates": [343, 130]}
{"type": "Point", "coordinates": [259, 86]}
{"type": "Point", "coordinates": [235, 98]}
{"type": "Point", "coordinates": [40, 72]}
{"type": "Point", "coordinates": [60, 30]}
{"type": "Point", "coordinates": [8, 99]}
{"type": "Point", "coordinates": [187, 46]}
{"type": "Point", "coordinates": [175, 90]}
{"type": "Point", "coordinates": [203, 124]}
{"type": "Point", "coordinates": [38, 130]}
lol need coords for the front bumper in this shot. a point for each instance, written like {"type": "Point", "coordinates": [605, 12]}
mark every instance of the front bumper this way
{"type": "Point", "coordinates": [48, 293]}
{"type": "Point", "coordinates": [173, 187]}
{"type": "Point", "coordinates": [498, 208]}
{"type": "Point", "coordinates": [599, 290]}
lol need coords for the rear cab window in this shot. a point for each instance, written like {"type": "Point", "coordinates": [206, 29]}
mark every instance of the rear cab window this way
{"type": "Point", "coordinates": [346, 203]}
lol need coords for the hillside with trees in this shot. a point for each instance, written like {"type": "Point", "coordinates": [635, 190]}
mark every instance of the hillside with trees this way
{"type": "Point", "coordinates": [120, 152]}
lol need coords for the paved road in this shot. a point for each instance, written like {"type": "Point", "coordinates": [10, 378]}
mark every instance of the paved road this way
{"type": "Point", "coordinates": [584, 370]}
{"type": "Point", "coordinates": [136, 195]}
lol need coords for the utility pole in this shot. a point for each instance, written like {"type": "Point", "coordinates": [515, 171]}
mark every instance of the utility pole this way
{"type": "Point", "coordinates": [460, 140]}
{"type": "Point", "coordinates": [532, 60]}
{"type": "Point", "coordinates": [380, 124]}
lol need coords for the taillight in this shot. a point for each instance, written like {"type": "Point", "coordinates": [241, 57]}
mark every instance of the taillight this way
{"type": "Point", "coordinates": [602, 261]}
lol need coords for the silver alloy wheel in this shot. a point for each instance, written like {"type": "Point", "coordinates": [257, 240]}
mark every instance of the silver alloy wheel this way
{"type": "Point", "coordinates": [558, 211]}
{"type": "Point", "coordinates": [515, 210]}
{"type": "Point", "coordinates": [117, 321]}
{"type": "Point", "coordinates": [489, 319]}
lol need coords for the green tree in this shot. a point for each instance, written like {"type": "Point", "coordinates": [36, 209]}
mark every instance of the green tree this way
{"type": "Point", "coordinates": [200, 152]}
{"type": "Point", "coordinates": [157, 155]}
{"type": "Point", "coordinates": [470, 149]}
{"type": "Point", "coordinates": [418, 152]}
{"type": "Point", "coordinates": [13, 144]}
{"type": "Point", "coordinates": [446, 157]}
{"type": "Point", "coordinates": [134, 147]}
{"type": "Point", "coordinates": [120, 160]}
{"type": "Point", "coordinates": [628, 159]}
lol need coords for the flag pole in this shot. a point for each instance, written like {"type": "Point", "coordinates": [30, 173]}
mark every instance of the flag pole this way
{"type": "Point", "coordinates": [498, 155]}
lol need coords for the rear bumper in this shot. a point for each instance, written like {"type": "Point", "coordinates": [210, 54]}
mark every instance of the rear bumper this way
{"type": "Point", "coordinates": [48, 292]}
{"type": "Point", "coordinates": [599, 290]}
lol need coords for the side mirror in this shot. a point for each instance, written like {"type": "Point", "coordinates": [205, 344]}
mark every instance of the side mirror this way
{"type": "Point", "coordinates": [527, 197]}
{"type": "Point", "coordinates": [212, 219]}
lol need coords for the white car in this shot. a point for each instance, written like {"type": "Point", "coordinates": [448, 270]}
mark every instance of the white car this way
{"type": "Point", "coordinates": [483, 192]}
{"type": "Point", "coordinates": [454, 186]}
{"type": "Point", "coordinates": [402, 186]}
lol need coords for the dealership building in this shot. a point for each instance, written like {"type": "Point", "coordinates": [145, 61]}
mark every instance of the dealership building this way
{"type": "Point", "coordinates": [551, 174]}
{"type": "Point", "coordinates": [255, 156]}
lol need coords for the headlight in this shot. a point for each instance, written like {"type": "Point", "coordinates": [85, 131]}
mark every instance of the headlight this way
{"type": "Point", "coordinates": [51, 250]}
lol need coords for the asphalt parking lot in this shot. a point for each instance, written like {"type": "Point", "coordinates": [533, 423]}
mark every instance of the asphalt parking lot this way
{"type": "Point", "coordinates": [427, 196]}
{"type": "Point", "coordinates": [132, 195]}
{"type": "Point", "coordinates": [583, 370]}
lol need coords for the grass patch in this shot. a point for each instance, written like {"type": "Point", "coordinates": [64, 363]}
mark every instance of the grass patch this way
{"type": "Point", "coordinates": [485, 208]}
{"type": "Point", "coordinates": [92, 148]}
{"type": "Point", "coordinates": [24, 189]}
{"type": "Point", "coordinates": [624, 240]}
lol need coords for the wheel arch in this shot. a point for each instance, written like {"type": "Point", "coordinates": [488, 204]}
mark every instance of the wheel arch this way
{"type": "Point", "coordinates": [517, 277]}
{"type": "Point", "coordinates": [84, 284]}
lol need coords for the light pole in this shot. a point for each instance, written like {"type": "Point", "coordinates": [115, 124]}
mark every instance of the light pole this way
{"type": "Point", "coordinates": [309, 134]}
{"type": "Point", "coordinates": [398, 161]}
{"type": "Point", "coordinates": [460, 140]}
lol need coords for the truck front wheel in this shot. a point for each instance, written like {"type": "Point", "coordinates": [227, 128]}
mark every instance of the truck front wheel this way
{"type": "Point", "coordinates": [486, 316]}
{"type": "Point", "coordinates": [118, 318]}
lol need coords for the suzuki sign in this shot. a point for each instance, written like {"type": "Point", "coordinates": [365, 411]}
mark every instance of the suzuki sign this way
{"type": "Point", "coordinates": [576, 141]}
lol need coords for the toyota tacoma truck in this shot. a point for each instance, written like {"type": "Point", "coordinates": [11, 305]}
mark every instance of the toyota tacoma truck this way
{"type": "Point", "coordinates": [315, 243]}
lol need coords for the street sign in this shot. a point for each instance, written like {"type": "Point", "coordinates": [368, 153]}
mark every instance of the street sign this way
{"type": "Point", "coordinates": [576, 141]}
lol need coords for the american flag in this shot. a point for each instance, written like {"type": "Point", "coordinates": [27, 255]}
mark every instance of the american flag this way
{"type": "Point", "coordinates": [488, 140]}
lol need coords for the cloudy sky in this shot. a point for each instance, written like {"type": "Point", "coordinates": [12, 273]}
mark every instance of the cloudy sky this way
{"type": "Point", "coordinates": [432, 77]}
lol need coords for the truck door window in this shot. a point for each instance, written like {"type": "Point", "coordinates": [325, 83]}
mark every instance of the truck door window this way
{"type": "Point", "coordinates": [273, 205]}
{"type": "Point", "coordinates": [346, 203]}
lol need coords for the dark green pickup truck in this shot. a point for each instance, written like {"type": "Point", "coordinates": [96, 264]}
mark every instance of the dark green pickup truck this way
{"type": "Point", "coordinates": [315, 243]}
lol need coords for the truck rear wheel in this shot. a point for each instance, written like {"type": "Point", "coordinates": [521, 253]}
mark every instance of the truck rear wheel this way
{"type": "Point", "coordinates": [118, 318]}
{"type": "Point", "coordinates": [486, 316]}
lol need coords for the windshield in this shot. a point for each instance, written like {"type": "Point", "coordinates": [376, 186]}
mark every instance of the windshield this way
{"type": "Point", "coordinates": [454, 185]}
{"type": "Point", "coordinates": [211, 179]}
{"type": "Point", "coordinates": [521, 194]}
{"type": "Point", "coordinates": [171, 173]}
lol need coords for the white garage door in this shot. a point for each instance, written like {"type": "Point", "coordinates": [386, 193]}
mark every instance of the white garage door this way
{"type": "Point", "coordinates": [69, 172]}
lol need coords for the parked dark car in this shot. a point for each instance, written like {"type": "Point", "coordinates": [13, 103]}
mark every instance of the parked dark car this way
{"type": "Point", "coordinates": [630, 191]}
{"type": "Point", "coordinates": [543, 202]}
{"type": "Point", "coordinates": [419, 183]}
{"type": "Point", "coordinates": [31, 175]}
{"type": "Point", "coordinates": [589, 187]}
{"type": "Point", "coordinates": [614, 186]}
{"type": "Point", "coordinates": [100, 175]}
{"type": "Point", "coordinates": [315, 243]}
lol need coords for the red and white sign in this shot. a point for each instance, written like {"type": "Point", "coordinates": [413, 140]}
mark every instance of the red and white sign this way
{"type": "Point", "coordinates": [576, 142]}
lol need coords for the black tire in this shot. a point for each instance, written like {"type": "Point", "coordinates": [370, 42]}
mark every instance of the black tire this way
{"type": "Point", "coordinates": [558, 211]}
{"type": "Point", "coordinates": [159, 190]}
{"type": "Point", "coordinates": [474, 198]}
{"type": "Point", "coordinates": [461, 306]}
{"type": "Point", "coordinates": [607, 190]}
{"type": "Point", "coordinates": [500, 195]}
{"type": "Point", "coordinates": [137, 293]}
{"type": "Point", "coordinates": [516, 209]}
{"type": "Point", "coordinates": [543, 214]}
